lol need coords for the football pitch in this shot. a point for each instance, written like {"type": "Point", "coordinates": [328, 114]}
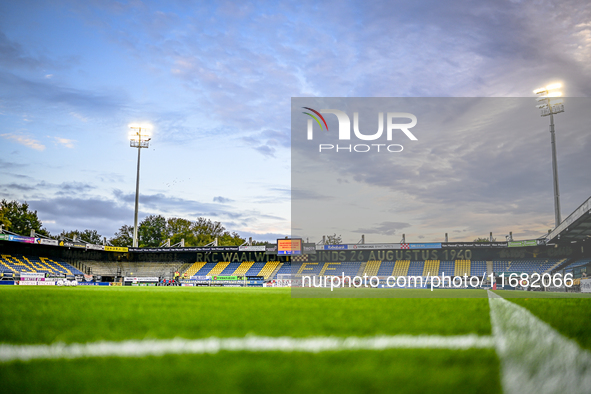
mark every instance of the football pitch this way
{"type": "Point", "coordinates": [147, 339]}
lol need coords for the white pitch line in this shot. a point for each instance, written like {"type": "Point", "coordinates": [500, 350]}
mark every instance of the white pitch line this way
{"type": "Point", "coordinates": [155, 347]}
{"type": "Point", "coordinates": [535, 358]}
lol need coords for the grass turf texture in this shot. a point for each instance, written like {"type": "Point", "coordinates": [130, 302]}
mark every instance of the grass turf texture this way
{"type": "Point", "coordinates": [88, 314]}
{"type": "Point", "coordinates": [400, 371]}
{"type": "Point", "coordinates": [569, 316]}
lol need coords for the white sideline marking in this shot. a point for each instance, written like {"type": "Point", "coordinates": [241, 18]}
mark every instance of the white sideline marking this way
{"type": "Point", "coordinates": [141, 348]}
{"type": "Point", "coordinates": [535, 358]}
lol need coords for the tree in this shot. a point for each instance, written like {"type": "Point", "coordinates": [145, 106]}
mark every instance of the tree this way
{"type": "Point", "coordinates": [4, 220]}
{"type": "Point", "coordinates": [123, 237]}
{"type": "Point", "coordinates": [233, 239]}
{"type": "Point", "coordinates": [177, 229]}
{"type": "Point", "coordinates": [205, 231]}
{"type": "Point", "coordinates": [91, 236]}
{"type": "Point", "coordinates": [152, 231]}
{"type": "Point", "coordinates": [333, 239]}
{"type": "Point", "coordinates": [19, 219]}
{"type": "Point", "coordinates": [155, 229]}
{"type": "Point", "coordinates": [485, 240]}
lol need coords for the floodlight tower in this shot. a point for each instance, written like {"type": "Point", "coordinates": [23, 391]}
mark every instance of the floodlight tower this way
{"type": "Point", "coordinates": [551, 104]}
{"type": "Point", "coordinates": [139, 139]}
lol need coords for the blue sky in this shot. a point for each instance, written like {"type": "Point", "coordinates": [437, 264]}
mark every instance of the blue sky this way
{"type": "Point", "coordinates": [215, 80]}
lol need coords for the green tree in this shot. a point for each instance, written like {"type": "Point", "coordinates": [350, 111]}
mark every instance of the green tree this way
{"type": "Point", "coordinates": [177, 229]}
{"type": "Point", "coordinates": [19, 219]}
{"type": "Point", "coordinates": [230, 239]}
{"type": "Point", "coordinates": [91, 236]}
{"type": "Point", "coordinates": [485, 240]}
{"type": "Point", "coordinates": [155, 229]}
{"type": "Point", "coordinates": [123, 237]}
{"type": "Point", "coordinates": [152, 231]}
{"type": "Point", "coordinates": [4, 220]}
{"type": "Point", "coordinates": [333, 239]}
{"type": "Point", "coordinates": [205, 231]}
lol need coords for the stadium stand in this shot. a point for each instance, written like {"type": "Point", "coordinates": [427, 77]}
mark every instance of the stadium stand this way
{"type": "Point", "coordinates": [447, 267]}
{"type": "Point", "coordinates": [348, 268]}
{"type": "Point", "coordinates": [431, 267]}
{"type": "Point", "coordinates": [577, 263]}
{"type": "Point", "coordinates": [462, 267]}
{"type": "Point", "coordinates": [218, 268]}
{"type": "Point", "coordinates": [372, 267]}
{"type": "Point", "coordinates": [243, 268]}
{"type": "Point", "coordinates": [194, 268]}
{"type": "Point", "coordinates": [478, 268]}
{"type": "Point", "coordinates": [401, 268]}
{"type": "Point", "coordinates": [416, 268]}
{"type": "Point", "coordinates": [229, 270]}
{"type": "Point", "coordinates": [330, 269]}
{"type": "Point", "coordinates": [138, 269]}
{"type": "Point", "coordinates": [309, 269]}
{"type": "Point", "coordinates": [524, 265]}
{"type": "Point", "coordinates": [255, 269]}
{"type": "Point", "coordinates": [386, 268]}
{"type": "Point", "coordinates": [576, 268]}
{"type": "Point", "coordinates": [20, 263]}
{"type": "Point", "coordinates": [285, 269]}
{"type": "Point", "coordinates": [268, 269]}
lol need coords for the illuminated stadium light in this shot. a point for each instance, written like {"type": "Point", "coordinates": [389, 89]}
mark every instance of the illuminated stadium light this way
{"type": "Point", "coordinates": [138, 138]}
{"type": "Point", "coordinates": [549, 106]}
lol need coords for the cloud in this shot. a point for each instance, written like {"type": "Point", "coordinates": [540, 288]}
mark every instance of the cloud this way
{"type": "Point", "coordinates": [18, 186]}
{"type": "Point", "coordinates": [64, 141]}
{"type": "Point", "coordinates": [222, 200]}
{"type": "Point", "coordinates": [12, 54]}
{"type": "Point", "coordinates": [385, 228]}
{"type": "Point", "coordinates": [24, 140]}
{"type": "Point", "coordinates": [59, 213]}
{"type": "Point", "coordinates": [302, 194]}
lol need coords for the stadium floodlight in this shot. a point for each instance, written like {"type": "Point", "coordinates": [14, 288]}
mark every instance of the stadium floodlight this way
{"type": "Point", "coordinates": [550, 106]}
{"type": "Point", "coordinates": [139, 138]}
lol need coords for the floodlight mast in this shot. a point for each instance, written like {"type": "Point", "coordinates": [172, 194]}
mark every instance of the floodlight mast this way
{"type": "Point", "coordinates": [550, 107]}
{"type": "Point", "coordinates": [136, 141]}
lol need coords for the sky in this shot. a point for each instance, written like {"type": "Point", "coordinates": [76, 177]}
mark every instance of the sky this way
{"type": "Point", "coordinates": [215, 80]}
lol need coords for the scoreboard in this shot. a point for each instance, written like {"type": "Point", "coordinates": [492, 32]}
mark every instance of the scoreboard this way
{"type": "Point", "coordinates": [289, 247]}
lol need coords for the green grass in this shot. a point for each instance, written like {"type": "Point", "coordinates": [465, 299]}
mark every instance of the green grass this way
{"type": "Point", "coordinates": [299, 292]}
{"type": "Point", "coordinates": [37, 315]}
{"type": "Point", "coordinates": [88, 314]}
{"type": "Point", "coordinates": [399, 371]}
{"type": "Point", "coordinates": [53, 314]}
{"type": "Point", "coordinates": [569, 316]}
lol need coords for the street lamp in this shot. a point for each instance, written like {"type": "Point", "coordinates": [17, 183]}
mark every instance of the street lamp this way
{"type": "Point", "coordinates": [550, 103]}
{"type": "Point", "coordinates": [139, 139]}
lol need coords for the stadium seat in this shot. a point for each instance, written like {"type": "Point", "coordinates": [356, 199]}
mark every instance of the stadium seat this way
{"type": "Point", "coordinates": [194, 268]}
{"type": "Point", "coordinates": [401, 268]}
{"type": "Point", "coordinates": [416, 268]}
{"type": "Point", "coordinates": [218, 268]}
{"type": "Point", "coordinates": [372, 268]}
{"type": "Point", "coordinates": [268, 269]}
{"type": "Point", "coordinates": [20, 263]}
{"type": "Point", "coordinates": [431, 268]}
{"type": "Point", "coordinates": [462, 267]}
{"type": "Point", "coordinates": [243, 268]}
{"type": "Point", "coordinates": [447, 268]}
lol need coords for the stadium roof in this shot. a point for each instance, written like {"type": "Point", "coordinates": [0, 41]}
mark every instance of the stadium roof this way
{"type": "Point", "coordinates": [575, 228]}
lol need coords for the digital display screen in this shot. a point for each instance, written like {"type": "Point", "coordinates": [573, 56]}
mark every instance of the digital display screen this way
{"type": "Point", "coordinates": [289, 246]}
